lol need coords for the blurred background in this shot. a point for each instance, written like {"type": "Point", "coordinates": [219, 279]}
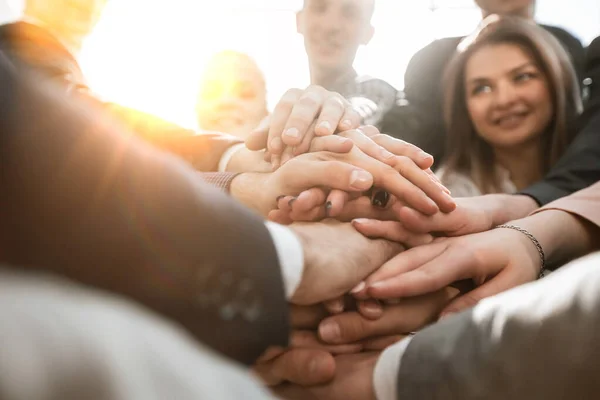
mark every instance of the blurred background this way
{"type": "Point", "coordinates": [163, 45]}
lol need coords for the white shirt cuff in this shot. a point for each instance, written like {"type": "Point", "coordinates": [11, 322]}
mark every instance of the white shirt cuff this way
{"type": "Point", "coordinates": [227, 155]}
{"type": "Point", "coordinates": [290, 254]}
{"type": "Point", "coordinates": [385, 376]}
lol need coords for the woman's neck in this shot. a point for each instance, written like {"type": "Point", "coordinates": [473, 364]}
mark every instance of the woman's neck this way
{"type": "Point", "coordinates": [523, 163]}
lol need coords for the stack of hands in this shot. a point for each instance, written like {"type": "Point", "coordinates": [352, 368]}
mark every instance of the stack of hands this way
{"type": "Point", "coordinates": [389, 253]}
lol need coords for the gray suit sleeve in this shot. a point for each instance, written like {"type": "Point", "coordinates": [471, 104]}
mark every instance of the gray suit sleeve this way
{"type": "Point", "coordinates": [538, 341]}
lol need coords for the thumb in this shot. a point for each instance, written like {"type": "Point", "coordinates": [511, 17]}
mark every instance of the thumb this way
{"type": "Point", "coordinates": [257, 140]}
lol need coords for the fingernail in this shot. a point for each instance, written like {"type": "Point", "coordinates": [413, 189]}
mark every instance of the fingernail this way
{"type": "Point", "coordinates": [360, 179]}
{"type": "Point", "coordinates": [292, 201]}
{"type": "Point", "coordinates": [385, 154]}
{"type": "Point", "coordinates": [358, 287]}
{"type": "Point", "coordinates": [292, 133]}
{"type": "Point", "coordinates": [328, 206]}
{"type": "Point", "coordinates": [372, 305]}
{"type": "Point", "coordinates": [329, 331]}
{"type": "Point", "coordinates": [279, 198]}
{"type": "Point", "coordinates": [325, 125]}
{"type": "Point", "coordinates": [361, 220]}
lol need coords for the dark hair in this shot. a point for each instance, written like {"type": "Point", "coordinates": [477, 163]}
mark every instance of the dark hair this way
{"type": "Point", "coordinates": [466, 151]}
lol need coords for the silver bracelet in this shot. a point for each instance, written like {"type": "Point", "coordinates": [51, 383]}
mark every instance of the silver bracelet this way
{"type": "Point", "coordinates": [535, 242]}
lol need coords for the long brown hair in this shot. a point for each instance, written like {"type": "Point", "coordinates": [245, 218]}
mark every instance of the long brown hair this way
{"type": "Point", "coordinates": [467, 152]}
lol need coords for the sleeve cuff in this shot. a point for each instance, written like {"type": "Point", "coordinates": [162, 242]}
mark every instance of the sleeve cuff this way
{"type": "Point", "coordinates": [385, 376]}
{"type": "Point", "coordinates": [290, 255]}
{"type": "Point", "coordinates": [227, 155]}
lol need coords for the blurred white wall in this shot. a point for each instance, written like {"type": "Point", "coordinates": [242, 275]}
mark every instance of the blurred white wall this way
{"type": "Point", "coordinates": [10, 10]}
{"type": "Point", "coordinates": [580, 17]}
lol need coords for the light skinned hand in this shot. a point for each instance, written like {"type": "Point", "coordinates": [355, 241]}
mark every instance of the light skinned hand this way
{"type": "Point", "coordinates": [353, 381]}
{"type": "Point", "coordinates": [496, 260]}
{"type": "Point", "coordinates": [337, 258]}
{"type": "Point", "coordinates": [299, 116]}
{"type": "Point", "coordinates": [405, 180]}
{"type": "Point", "coordinates": [399, 318]}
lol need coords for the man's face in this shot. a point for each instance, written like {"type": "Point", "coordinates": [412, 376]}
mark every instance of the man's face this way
{"type": "Point", "coordinates": [69, 18]}
{"type": "Point", "coordinates": [506, 7]}
{"type": "Point", "coordinates": [333, 30]}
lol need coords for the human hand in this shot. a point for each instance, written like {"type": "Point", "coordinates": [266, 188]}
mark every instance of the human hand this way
{"type": "Point", "coordinates": [353, 381]}
{"type": "Point", "coordinates": [398, 318]}
{"type": "Point", "coordinates": [405, 180]}
{"type": "Point", "coordinates": [472, 215]}
{"type": "Point", "coordinates": [308, 360]}
{"type": "Point", "coordinates": [496, 260]}
{"type": "Point", "coordinates": [297, 118]}
{"type": "Point", "coordinates": [336, 258]}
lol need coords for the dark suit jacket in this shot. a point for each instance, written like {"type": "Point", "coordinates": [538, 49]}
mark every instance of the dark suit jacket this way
{"type": "Point", "coordinates": [420, 120]}
{"type": "Point", "coordinates": [35, 48]}
{"type": "Point", "coordinates": [579, 167]}
{"type": "Point", "coordinates": [81, 199]}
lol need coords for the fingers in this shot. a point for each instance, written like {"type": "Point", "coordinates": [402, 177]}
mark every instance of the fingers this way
{"type": "Point", "coordinates": [415, 193]}
{"type": "Point", "coordinates": [417, 222]}
{"type": "Point", "coordinates": [332, 174]}
{"type": "Point", "coordinates": [332, 114]}
{"type": "Point", "coordinates": [409, 315]}
{"type": "Point", "coordinates": [390, 230]}
{"type": "Point", "coordinates": [426, 269]}
{"type": "Point", "coordinates": [370, 309]}
{"type": "Point", "coordinates": [368, 146]}
{"type": "Point", "coordinates": [350, 120]}
{"type": "Point", "coordinates": [258, 138]}
{"type": "Point", "coordinates": [333, 143]}
{"type": "Point", "coordinates": [310, 340]}
{"type": "Point", "coordinates": [280, 217]}
{"type": "Point", "coordinates": [300, 366]}
{"type": "Point", "coordinates": [422, 180]}
{"type": "Point", "coordinates": [336, 201]}
{"type": "Point", "coordinates": [405, 149]}
{"type": "Point", "coordinates": [383, 342]}
{"type": "Point", "coordinates": [308, 200]}
{"type": "Point", "coordinates": [505, 280]}
{"type": "Point", "coordinates": [303, 114]}
{"type": "Point", "coordinates": [279, 118]}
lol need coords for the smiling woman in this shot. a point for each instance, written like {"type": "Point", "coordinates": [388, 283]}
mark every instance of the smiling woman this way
{"type": "Point", "coordinates": [511, 103]}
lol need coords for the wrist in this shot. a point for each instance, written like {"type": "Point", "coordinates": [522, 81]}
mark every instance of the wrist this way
{"type": "Point", "coordinates": [251, 189]}
{"type": "Point", "coordinates": [244, 160]}
{"type": "Point", "coordinates": [508, 207]}
{"type": "Point", "coordinates": [562, 235]}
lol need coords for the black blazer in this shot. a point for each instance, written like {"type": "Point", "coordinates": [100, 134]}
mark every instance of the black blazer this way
{"type": "Point", "coordinates": [420, 119]}
{"type": "Point", "coordinates": [81, 199]}
{"type": "Point", "coordinates": [579, 167]}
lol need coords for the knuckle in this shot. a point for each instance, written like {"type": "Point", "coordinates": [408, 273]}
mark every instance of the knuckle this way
{"type": "Point", "coordinates": [310, 100]}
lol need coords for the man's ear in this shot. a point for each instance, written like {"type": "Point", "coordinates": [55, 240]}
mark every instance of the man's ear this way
{"type": "Point", "coordinates": [299, 22]}
{"type": "Point", "coordinates": [367, 35]}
